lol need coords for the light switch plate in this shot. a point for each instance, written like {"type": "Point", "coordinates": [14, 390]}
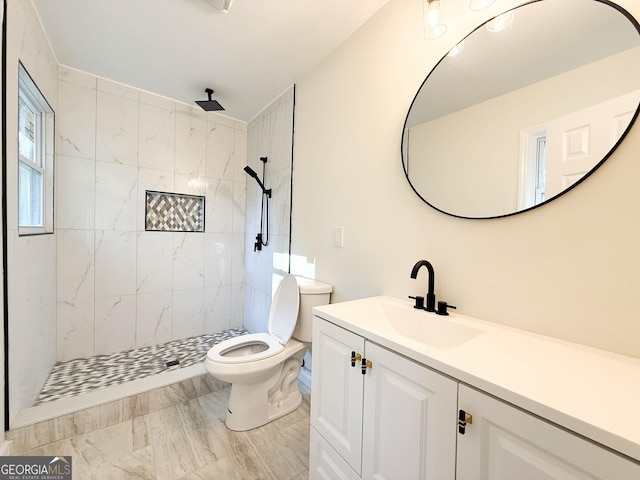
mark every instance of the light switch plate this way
{"type": "Point", "coordinates": [338, 236]}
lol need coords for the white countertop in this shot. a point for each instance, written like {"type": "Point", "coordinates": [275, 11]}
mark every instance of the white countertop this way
{"type": "Point", "coordinates": [591, 392]}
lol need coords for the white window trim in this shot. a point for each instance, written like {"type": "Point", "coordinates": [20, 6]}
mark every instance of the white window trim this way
{"type": "Point", "coordinates": [45, 132]}
{"type": "Point", "coordinates": [527, 175]}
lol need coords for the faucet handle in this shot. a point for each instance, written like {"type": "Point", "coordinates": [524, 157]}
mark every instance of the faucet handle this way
{"type": "Point", "coordinates": [442, 308]}
{"type": "Point", "coordinates": [419, 302]}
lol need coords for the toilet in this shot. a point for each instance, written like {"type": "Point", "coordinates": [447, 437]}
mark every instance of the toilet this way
{"type": "Point", "coordinates": [263, 368]}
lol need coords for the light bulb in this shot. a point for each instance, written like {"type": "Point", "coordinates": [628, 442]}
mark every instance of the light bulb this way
{"type": "Point", "coordinates": [434, 26]}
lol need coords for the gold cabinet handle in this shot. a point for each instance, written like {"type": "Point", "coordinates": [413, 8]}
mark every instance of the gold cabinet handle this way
{"type": "Point", "coordinates": [355, 357]}
{"type": "Point", "coordinates": [366, 364]}
{"type": "Point", "coordinates": [464, 418]}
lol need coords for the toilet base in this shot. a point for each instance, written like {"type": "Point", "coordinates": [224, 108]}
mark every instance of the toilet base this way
{"type": "Point", "coordinates": [253, 405]}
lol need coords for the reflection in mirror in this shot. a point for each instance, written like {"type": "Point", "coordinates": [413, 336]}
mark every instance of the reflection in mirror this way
{"type": "Point", "coordinates": [523, 114]}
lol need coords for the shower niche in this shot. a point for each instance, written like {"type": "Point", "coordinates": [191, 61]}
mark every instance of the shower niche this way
{"type": "Point", "coordinates": [174, 212]}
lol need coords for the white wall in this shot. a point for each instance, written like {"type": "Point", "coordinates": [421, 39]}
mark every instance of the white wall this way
{"type": "Point", "coordinates": [31, 260]}
{"type": "Point", "coordinates": [119, 286]}
{"type": "Point", "coordinates": [269, 135]}
{"type": "Point", "coordinates": [569, 269]}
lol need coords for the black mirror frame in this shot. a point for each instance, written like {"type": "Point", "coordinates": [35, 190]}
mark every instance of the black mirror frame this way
{"type": "Point", "coordinates": [617, 7]}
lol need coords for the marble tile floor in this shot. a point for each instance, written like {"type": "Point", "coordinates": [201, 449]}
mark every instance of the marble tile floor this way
{"type": "Point", "coordinates": [82, 375]}
{"type": "Point", "coordinates": [188, 441]}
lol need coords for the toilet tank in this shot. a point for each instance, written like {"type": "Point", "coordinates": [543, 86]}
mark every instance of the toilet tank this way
{"type": "Point", "coordinates": [312, 294]}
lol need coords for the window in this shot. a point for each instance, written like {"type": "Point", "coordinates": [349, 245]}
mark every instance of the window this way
{"type": "Point", "coordinates": [532, 176]}
{"type": "Point", "coordinates": [541, 171]}
{"type": "Point", "coordinates": [35, 158]}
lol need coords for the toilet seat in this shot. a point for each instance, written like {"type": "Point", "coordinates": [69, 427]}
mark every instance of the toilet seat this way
{"type": "Point", "coordinates": [283, 316]}
{"type": "Point", "coordinates": [219, 352]}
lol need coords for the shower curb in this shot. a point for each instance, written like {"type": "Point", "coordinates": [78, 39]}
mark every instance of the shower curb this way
{"type": "Point", "coordinates": [88, 420]}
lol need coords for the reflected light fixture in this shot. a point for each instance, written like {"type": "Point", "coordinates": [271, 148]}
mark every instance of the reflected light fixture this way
{"type": "Point", "coordinates": [223, 5]}
{"type": "Point", "coordinates": [434, 26]}
{"type": "Point", "coordinates": [480, 4]}
{"type": "Point", "coordinates": [501, 22]}
{"type": "Point", "coordinates": [457, 50]}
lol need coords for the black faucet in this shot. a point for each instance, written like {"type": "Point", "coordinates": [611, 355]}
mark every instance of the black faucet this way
{"type": "Point", "coordinates": [431, 297]}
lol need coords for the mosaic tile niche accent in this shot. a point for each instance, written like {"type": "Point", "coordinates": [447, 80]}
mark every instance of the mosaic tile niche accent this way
{"type": "Point", "coordinates": [174, 212]}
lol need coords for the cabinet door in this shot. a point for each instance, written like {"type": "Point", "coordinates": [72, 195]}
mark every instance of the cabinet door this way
{"type": "Point", "coordinates": [409, 420]}
{"type": "Point", "coordinates": [504, 443]}
{"type": "Point", "coordinates": [336, 406]}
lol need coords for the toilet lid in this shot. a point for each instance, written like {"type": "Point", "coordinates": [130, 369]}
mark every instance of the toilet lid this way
{"type": "Point", "coordinates": [283, 313]}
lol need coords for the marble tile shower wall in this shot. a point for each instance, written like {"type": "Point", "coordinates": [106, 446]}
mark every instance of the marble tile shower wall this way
{"type": "Point", "coordinates": [31, 260]}
{"type": "Point", "coordinates": [119, 286]}
{"type": "Point", "coordinates": [270, 134]}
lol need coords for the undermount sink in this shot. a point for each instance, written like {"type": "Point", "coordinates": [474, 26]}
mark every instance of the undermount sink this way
{"type": "Point", "coordinates": [428, 328]}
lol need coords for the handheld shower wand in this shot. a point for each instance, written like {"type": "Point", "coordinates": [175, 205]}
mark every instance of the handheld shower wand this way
{"type": "Point", "coordinates": [251, 172]}
{"type": "Point", "coordinates": [264, 210]}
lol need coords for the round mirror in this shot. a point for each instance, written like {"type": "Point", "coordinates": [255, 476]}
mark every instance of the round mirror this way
{"type": "Point", "coordinates": [532, 103]}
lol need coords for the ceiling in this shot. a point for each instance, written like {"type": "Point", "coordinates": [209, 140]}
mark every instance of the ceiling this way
{"type": "Point", "coordinates": [177, 48]}
{"type": "Point", "coordinates": [543, 41]}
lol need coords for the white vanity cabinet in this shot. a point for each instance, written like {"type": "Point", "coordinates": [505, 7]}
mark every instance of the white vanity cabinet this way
{"type": "Point", "coordinates": [400, 420]}
{"type": "Point", "coordinates": [504, 443]}
{"type": "Point", "coordinates": [395, 421]}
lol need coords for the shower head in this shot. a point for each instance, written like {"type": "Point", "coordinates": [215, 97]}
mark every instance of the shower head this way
{"type": "Point", "coordinates": [251, 172]}
{"type": "Point", "coordinates": [209, 105]}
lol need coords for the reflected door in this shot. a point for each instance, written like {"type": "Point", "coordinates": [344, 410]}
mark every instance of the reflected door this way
{"type": "Point", "coordinates": [578, 141]}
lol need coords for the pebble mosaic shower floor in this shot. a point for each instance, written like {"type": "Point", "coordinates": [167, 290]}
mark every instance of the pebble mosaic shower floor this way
{"type": "Point", "coordinates": [82, 375]}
